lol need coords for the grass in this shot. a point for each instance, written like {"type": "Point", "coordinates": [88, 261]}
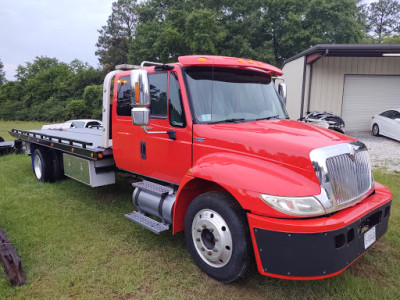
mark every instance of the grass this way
{"type": "Point", "coordinates": [74, 243]}
{"type": "Point", "coordinates": [5, 126]}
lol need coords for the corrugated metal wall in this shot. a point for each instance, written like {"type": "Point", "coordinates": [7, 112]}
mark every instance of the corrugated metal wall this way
{"type": "Point", "coordinates": [328, 78]}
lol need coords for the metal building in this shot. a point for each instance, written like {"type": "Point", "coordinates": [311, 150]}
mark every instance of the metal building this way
{"type": "Point", "coordinates": [353, 81]}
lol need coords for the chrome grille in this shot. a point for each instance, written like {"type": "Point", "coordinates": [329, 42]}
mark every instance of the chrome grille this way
{"type": "Point", "coordinates": [350, 175]}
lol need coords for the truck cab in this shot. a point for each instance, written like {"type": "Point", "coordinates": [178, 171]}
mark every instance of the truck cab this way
{"type": "Point", "coordinates": [216, 130]}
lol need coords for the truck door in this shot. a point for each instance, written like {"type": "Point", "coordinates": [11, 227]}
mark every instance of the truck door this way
{"type": "Point", "coordinates": [125, 136]}
{"type": "Point", "coordinates": [166, 156]}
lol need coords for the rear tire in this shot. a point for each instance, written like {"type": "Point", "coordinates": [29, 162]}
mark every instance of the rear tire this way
{"type": "Point", "coordinates": [375, 130]}
{"type": "Point", "coordinates": [217, 236]}
{"type": "Point", "coordinates": [42, 165]}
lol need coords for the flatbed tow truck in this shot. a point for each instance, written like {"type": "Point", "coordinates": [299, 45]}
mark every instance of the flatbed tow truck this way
{"type": "Point", "coordinates": [217, 157]}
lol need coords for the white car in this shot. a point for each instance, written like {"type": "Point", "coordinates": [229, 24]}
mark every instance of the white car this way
{"type": "Point", "coordinates": [387, 123]}
{"type": "Point", "coordinates": [81, 123]}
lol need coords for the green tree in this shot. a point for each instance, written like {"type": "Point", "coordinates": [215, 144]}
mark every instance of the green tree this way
{"type": "Point", "coordinates": [383, 18]}
{"type": "Point", "coordinates": [113, 42]}
{"type": "Point", "coordinates": [43, 89]}
{"type": "Point", "coordinates": [268, 30]}
{"type": "Point", "coordinates": [2, 74]}
{"type": "Point", "coordinates": [76, 109]}
{"type": "Point", "coordinates": [93, 97]}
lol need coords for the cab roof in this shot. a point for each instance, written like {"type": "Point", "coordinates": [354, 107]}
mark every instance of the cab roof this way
{"type": "Point", "coordinates": [225, 61]}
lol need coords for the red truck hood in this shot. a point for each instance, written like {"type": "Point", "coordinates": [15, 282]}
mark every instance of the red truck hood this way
{"type": "Point", "coordinates": [284, 141]}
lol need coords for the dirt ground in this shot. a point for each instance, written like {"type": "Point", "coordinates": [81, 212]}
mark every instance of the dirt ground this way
{"type": "Point", "coordinates": [384, 152]}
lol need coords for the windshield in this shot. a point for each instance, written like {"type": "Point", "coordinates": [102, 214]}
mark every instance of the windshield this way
{"type": "Point", "coordinates": [226, 95]}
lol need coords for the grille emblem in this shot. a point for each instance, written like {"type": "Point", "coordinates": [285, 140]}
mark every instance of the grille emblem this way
{"type": "Point", "coordinates": [352, 153]}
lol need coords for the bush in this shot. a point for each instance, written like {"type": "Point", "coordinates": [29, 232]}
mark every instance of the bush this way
{"type": "Point", "coordinates": [76, 109]}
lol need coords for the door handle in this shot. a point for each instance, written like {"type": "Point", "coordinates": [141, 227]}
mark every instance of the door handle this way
{"type": "Point", "coordinates": [143, 150]}
{"type": "Point", "coordinates": [171, 133]}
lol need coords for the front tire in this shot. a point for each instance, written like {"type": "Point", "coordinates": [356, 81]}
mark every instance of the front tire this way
{"type": "Point", "coordinates": [375, 130]}
{"type": "Point", "coordinates": [217, 236]}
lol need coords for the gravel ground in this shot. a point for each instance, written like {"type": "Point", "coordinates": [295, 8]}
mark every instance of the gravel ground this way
{"type": "Point", "coordinates": [384, 152]}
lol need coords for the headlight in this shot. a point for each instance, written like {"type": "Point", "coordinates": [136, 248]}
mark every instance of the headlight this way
{"type": "Point", "coordinates": [296, 206]}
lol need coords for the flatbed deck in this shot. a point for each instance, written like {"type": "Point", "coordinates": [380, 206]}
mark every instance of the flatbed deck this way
{"type": "Point", "coordinates": [85, 142]}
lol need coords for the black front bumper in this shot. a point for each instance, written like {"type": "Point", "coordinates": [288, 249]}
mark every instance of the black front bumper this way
{"type": "Point", "coordinates": [318, 254]}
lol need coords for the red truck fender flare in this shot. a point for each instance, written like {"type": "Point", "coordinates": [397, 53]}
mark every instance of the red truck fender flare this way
{"type": "Point", "coordinates": [244, 177]}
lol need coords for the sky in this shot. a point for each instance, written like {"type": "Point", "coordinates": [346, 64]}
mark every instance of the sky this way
{"type": "Point", "coordinates": [66, 30]}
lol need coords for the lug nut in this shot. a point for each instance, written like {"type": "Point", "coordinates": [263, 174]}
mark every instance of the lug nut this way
{"type": "Point", "coordinates": [215, 250]}
{"type": "Point", "coordinates": [202, 249]}
{"type": "Point", "coordinates": [209, 253]}
{"type": "Point", "coordinates": [204, 226]}
{"type": "Point", "coordinates": [211, 230]}
{"type": "Point", "coordinates": [199, 230]}
{"type": "Point", "coordinates": [216, 240]}
{"type": "Point", "coordinates": [198, 239]}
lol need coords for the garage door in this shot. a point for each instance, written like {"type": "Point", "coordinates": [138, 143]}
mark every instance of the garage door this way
{"type": "Point", "coordinates": [366, 95]}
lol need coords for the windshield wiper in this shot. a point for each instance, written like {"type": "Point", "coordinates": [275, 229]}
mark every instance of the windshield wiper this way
{"type": "Point", "coordinates": [269, 118]}
{"type": "Point", "coordinates": [238, 120]}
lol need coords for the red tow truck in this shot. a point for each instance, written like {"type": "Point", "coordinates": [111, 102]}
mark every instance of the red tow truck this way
{"type": "Point", "coordinates": [214, 154]}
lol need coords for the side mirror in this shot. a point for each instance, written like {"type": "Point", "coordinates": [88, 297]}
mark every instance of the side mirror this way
{"type": "Point", "coordinates": [140, 116]}
{"type": "Point", "coordinates": [282, 91]}
{"type": "Point", "coordinates": [141, 97]}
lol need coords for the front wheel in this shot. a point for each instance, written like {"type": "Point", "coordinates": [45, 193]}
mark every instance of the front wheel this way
{"type": "Point", "coordinates": [217, 236]}
{"type": "Point", "coordinates": [375, 130]}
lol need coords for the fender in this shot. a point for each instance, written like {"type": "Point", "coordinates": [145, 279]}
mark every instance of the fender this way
{"type": "Point", "coordinates": [244, 177]}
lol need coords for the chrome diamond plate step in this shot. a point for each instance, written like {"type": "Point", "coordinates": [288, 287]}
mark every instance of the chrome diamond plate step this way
{"type": "Point", "coordinates": [152, 187]}
{"type": "Point", "coordinates": [146, 222]}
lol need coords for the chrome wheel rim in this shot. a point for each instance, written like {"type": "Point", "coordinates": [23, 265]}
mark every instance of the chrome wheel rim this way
{"type": "Point", "coordinates": [38, 166]}
{"type": "Point", "coordinates": [212, 238]}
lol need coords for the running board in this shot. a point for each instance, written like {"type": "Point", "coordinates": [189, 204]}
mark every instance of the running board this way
{"type": "Point", "coordinates": [146, 222]}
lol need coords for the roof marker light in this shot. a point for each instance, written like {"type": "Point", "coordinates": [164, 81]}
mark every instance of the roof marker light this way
{"type": "Point", "coordinates": [251, 62]}
{"type": "Point", "coordinates": [201, 59]}
{"type": "Point", "coordinates": [260, 64]}
{"type": "Point", "coordinates": [241, 60]}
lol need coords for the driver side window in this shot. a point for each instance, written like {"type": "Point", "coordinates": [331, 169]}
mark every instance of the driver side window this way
{"type": "Point", "coordinates": [158, 95]}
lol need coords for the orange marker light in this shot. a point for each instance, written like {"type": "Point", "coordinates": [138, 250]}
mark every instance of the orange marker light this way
{"type": "Point", "coordinates": [201, 59]}
{"type": "Point", "coordinates": [73, 149]}
{"type": "Point", "coordinates": [52, 144]}
{"type": "Point", "coordinates": [91, 155]}
{"type": "Point", "coordinates": [251, 62]}
{"type": "Point", "coordinates": [100, 155]}
{"type": "Point", "coordinates": [137, 93]}
{"type": "Point", "coordinates": [260, 64]}
{"type": "Point", "coordinates": [241, 60]}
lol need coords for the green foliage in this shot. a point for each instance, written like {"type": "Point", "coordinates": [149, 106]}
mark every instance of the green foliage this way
{"type": "Point", "coordinates": [268, 30]}
{"type": "Point", "coordinates": [76, 109]}
{"type": "Point", "coordinates": [114, 39]}
{"type": "Point", "coordinates": [2, 74]}
{"type": "Point", "coordinates": [93, 97]}
{"type": "Point", "coordinates": [43, 89]}
{"type": "Point", "coordinates": [392, 40]}
{"type": "Point", "coordinates": [383, 19]}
